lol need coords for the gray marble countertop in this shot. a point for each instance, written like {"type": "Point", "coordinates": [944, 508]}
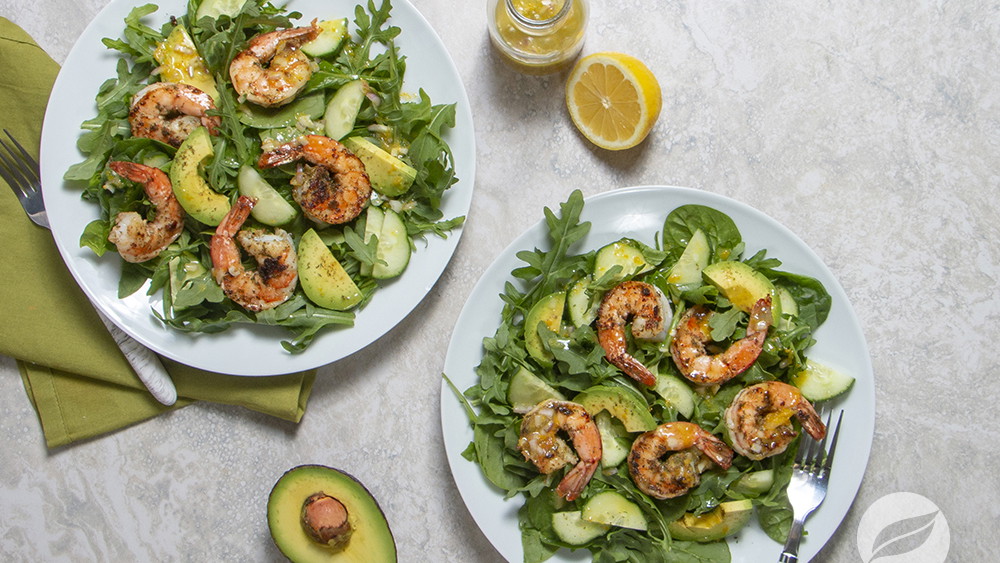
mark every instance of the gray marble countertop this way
{"type": "Point", "coordinates": [870, 129]}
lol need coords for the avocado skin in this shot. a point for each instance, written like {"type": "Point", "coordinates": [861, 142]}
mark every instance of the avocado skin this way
{"type": "Point", "coordinates": [371, 540]}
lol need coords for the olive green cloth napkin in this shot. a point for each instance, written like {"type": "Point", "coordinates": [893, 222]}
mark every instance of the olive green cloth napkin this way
{"type": "Point", "coordinates": [78, 381]}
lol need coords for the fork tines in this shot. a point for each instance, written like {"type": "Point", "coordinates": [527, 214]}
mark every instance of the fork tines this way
{"type": "Point", "coordinates": [15, 170]}
{"type": "Point", "coordinates": [813, 455]}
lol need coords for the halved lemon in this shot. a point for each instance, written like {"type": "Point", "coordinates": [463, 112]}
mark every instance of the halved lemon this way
{"type": "Point", "coordinates": [613, 99]}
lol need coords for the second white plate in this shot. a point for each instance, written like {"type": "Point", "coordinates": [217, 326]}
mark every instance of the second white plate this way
{"type": "Point", "coordinates": [639, 213]}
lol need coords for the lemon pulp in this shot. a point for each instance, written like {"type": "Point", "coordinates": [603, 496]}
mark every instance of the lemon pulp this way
{"type": "Point", "coordinates": [613, 99]}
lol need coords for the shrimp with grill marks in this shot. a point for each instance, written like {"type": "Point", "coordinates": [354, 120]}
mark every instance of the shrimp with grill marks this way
{"type": "Point", "coordinates": [541, 444]}
{"type": "Point", "coordinates": [272, 70]}
{"type": "Point", "coordinates": [645, 306]}
{"type": "Point", "coordinates": [333, 191]}
{"type": "Point", "coordinates": [137, 239]}
{"type": "Point", "coordinates": [759, 419]}
{"type": "Point", "coordinates": [276, 276]}
{"type": "Point", "coordinates": [693, 336]}
{"type": "Point", "coordinates": [170, 111]}
{"type": "Point", "coordinates": [668, 461]}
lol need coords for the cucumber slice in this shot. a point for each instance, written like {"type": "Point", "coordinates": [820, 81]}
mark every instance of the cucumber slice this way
{"type": "Point", "coordinates": [611, 508]}
{"type": "Point", "coordinates": [613, 448]}
{"type": "Point", "coordinates": [331, 35]}
{"type": "Point", "coordinates": [216, 8]}
{"type": "Point", "coordinates": [374, 218]}
{"type": "Point", "coordinates": [258, 117]}
{"type": "Point", "coordinates": [754, 483]}
{"type": "Point", "coordinates": [621, 253]}
{"type": "Point", "coordinates": [527, 390]}
{"type": "Point", "coordinates": [789, 307]}
{"type": "Point", "coordinates": [271, 208]}
{"type": "Point", "coordinates": [687, 269]}
{"type": "Point", "coordinates": [393, 247]}
{"type": "Point", "coordinates": [571, 528]}
{"type": "Point", "coordinates": [583, 303]}
{"type": "Point", "coordinates": [676, 393]}
{"type": "Point", "coordinates": [343, 108]}
{"type": "Point", "coordinates": [819, 382]}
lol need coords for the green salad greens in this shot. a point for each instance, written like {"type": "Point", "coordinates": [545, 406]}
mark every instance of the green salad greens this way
{"type": "Point", "coordinates": [572, 365]}
{"type": "Point", "coordinates": [405, 127]}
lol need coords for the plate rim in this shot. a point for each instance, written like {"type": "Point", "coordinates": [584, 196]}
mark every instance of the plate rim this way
{"type": "Point", "coordinates": [134, 316]}
{"type": "Point", "coordinates": [457, 433]}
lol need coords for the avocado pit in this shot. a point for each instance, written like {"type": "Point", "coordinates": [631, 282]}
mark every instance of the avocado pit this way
{"type": "Point", "coordinates": [325, 519]}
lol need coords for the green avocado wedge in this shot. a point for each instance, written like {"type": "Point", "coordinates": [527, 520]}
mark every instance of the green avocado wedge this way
{"type": "Point", "coordinates": [548, 310]}
{"type": "Point", "coordinates": [742, 285]}
{"type": "Point", "coordinates": [720, 522]}
{"type": "Point", "coordinates": [624, 404]}
{"type": "Point", "coordinates": [194, 194]}
{"type": "Point", "coordinates": [389, 175]}
{"type": "Point", "coordinates": [323, 279]}
{"type": "Point", "coordinates": [364, 537]}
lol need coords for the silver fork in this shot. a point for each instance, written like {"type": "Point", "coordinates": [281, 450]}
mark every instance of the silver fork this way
{"type": "Point", "coordinates": [20, 170]}
{"type": "Point", "coordinates": [807, 488]}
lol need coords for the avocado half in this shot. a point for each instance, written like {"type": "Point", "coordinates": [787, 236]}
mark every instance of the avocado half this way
{"type": "Point", "coordinates": [364, 537]}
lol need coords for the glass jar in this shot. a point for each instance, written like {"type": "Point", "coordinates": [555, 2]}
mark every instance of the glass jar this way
{"type": "Point", "coordinates": [537, 36]}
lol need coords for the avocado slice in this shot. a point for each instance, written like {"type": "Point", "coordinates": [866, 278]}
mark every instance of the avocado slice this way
{"type": "Point", "coordinates": [194, 194]}
{"type": "Point", "coordinates": [720, 522]}
{"type": "Point", "coordinates": [307, 524]}
{"type": "Point", "coordinates": [389, 175]}
{"type": "Point", "coordinates": [622, 403]}
{"type": "Point", "coordinates": [742, 285]}
{"type": "Point", "coordinates": [527, 390]}
{"type": "Point", "coordinates": [548, 310]}
{"type": "Point", "coordinates": [323, 279]}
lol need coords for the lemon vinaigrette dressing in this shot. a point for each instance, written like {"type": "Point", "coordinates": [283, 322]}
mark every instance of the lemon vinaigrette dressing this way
{"type": "Point", "coordinates": [537, 36]}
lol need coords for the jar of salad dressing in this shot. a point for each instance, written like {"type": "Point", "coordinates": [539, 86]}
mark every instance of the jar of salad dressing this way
{"type": "Point", "coordinates": [537, 36]}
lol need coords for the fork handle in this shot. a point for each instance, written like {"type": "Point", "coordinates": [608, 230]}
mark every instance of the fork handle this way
{"type": "Point", "coordinates": [791, 552]}
{"type": "Point", "coordinates": [145, 363]}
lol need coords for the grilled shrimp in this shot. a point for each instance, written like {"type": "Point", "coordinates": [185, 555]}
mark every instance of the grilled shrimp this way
{"type": "Point", "coordinates": [272, 69]}
{"type": "Point", "coordinates": [334, 191]}
{"type": "Point", "coordinates": [541, 444]}
{"type": "Point", "coordinates": [648, 310]}
{"type": "Point", "coordinates": [139, 240]}
{"type": "Point", "coordinates": [169, 111]}
{"type": "Point", "coordinates": [274, 280]}
{"type": "Point", "coordinates": [689, 449]}
{"type": "Point", "coordinates": [759, 419]}
{"type": "Point", "coordinates": [689, 348]}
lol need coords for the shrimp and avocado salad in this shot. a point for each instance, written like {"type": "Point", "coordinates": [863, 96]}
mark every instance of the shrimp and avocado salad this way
{"type": "Point", "coordinates": [250, 168]}
{"type": "Point", "coordinates": [646, 398]}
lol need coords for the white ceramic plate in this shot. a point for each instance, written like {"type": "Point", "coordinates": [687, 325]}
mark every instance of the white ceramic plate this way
{"type": "Point", "coordinates": [244, 350]}
{"type": "Point", "coordinates": [640, 213]}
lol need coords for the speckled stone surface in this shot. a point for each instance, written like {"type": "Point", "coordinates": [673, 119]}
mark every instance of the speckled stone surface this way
{"type": "Point", "coordinates": [870, 129]}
